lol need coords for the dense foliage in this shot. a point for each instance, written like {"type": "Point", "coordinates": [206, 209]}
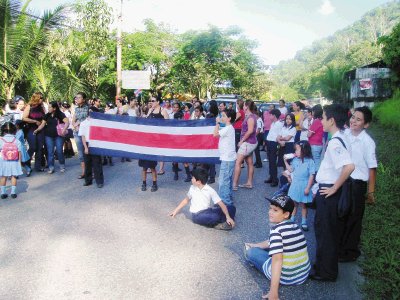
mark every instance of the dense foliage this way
{"type": "Point", "coordinates": [318, 70]}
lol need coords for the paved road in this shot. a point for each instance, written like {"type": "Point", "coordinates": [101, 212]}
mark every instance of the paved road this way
{"type": "Point", "coordinates": [60, 240]}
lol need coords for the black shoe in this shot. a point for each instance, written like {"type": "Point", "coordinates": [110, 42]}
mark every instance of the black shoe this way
{"type": "Point", "coordinates": [13, 196]}
{"type": "Point", "coordinates": [105, 163]}
{"type": "Point", "coordinates": [4, 196]}
{"type": "Point", "coordinates": [144, 187]}
{"type": "Point", "coordinates": [176, 177]}
{"type": "Point", "coordinates": [179, 169]}
{"type": "Point", "coordinates": [128, 159]}
{"type": "Point", "coordinates": [87, 183]}
{"type": "Point", "coordinates": [275, 183]}
{"type": "Point", "coordinates": [122, 159]}
{"type": "Point", "coordinates": [314, 276]}
{"type": "Point", "coordinates": [211, 180]}
{"type": "Point", "coordinates": [111, 163]}
{"type": "Point", "coordinates": [100, 185]}
{"type": "Point", "coordinates": [268, 180]}
{"type": "Point", "coordinates": [188, 179]}
{"type": "Point", "coordinates": [154, 188]}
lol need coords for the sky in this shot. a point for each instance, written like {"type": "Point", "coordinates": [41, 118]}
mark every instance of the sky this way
{"type": "Point", "coordinates": [280, 27]}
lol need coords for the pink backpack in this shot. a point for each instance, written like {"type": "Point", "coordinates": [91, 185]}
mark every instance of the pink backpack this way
{"type": "Point", "coordinates": [10, 150]}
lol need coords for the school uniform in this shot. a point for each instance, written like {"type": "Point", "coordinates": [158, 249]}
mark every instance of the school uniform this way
{"type": "Point", "coordinates": [364, 159]}
{"type": "Point", "coordinates": [326, 222]}
{"type": "Point", "coordinates": [272, 146]}
{"type": "Point", "coordinates": [260, 128]}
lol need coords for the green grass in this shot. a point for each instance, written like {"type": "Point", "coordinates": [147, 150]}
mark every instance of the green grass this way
{"type": "Point", "coordinates": [381, 230]}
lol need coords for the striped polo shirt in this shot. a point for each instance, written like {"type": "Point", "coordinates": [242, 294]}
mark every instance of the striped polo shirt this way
{"type": "Point", "coordinates": [287, 238]}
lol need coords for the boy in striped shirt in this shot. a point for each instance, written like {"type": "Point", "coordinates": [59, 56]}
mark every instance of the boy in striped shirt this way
{"type": "Point", "coordinates": [284, 257]}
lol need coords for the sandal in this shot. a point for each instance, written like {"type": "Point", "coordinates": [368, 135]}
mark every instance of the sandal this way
{"type": "Point", "coordinates": [81, 176]}
{"type": "Point", "coordinates": [161, 173]}
{"type": "Point", "coordinates": [235, 188]}
{"type": "Point", "coordinates": [246, 186]}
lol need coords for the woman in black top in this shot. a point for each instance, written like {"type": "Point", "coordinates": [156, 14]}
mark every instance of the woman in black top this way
{"type": "Point", "coordinates": [54, 137]}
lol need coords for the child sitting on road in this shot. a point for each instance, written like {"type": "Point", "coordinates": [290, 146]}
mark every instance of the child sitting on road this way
{"type": "Point", "coordinates": [206, 206]}
{"type": "Point", "coordinates": [284, 257]}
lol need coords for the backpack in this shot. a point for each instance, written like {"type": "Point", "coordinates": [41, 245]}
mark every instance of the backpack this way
{"type": "Point", "coordinates": [9, 151]}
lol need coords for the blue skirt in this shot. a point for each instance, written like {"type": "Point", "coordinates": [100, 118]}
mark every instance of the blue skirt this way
{"type": "Point", "coordinates": [10, 168]}
{"type": "Point", "coordinates": [296, 191]}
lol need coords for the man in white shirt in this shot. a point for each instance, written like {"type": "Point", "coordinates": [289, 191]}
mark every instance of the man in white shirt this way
{"type": "Point", "coordinates": [335, 168]}
{"type": "Point", "coordinates": [272, 145]}
{"type": "Point", "coordinates": [364, 158]}
{"type": "Point", "coordinates": [206, 206]}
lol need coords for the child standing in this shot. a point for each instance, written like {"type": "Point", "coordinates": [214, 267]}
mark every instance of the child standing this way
{"type": "Point", "coordinates": [272, 146]}
{"type": "Point", "coordinates": [205, 205]}
{"type": "Point", "coordinates": [10, 159]}
{"type": "Point", "coordinates": [227, 152]}
{"type": "Point", "coordinates": [283, 258]}
{"type": "Point", "coordinates": [303, 169]}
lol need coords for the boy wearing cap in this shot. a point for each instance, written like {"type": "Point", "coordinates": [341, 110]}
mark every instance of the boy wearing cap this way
{"type": "Point", "coordinates": [284, 257]}
{"type": "Point", "coordinates": [206, 206]}
{"type": "Point", "coordinates": [334, 170]}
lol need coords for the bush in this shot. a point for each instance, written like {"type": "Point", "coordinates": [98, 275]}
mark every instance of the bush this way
{"type": "Point", "coordinates": [381, 232]}
{"type": "Point", "coordinates": [388, 112]}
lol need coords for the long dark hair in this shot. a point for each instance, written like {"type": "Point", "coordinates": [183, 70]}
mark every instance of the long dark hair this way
{"type": "Point", "coordinates": [305, 150]}
{"type": "Point", "coordinates": [57, 112]}
{"type": "Point", "coordinates": [8, 128]}
{"type": "Point", "coordinates": [293, 120]}
{"type": "Point", "coordinates": [250, 104]}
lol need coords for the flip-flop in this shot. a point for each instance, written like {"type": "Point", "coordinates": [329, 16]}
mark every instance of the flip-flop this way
{"type": "Point", "coordinates": [235, 188]}
{"type": "Point", "coordinates": [246, 186]}
{"type": "Point", "coordinates": [161, 173]}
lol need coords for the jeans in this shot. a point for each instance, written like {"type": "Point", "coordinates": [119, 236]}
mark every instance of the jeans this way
{"type": "Point", "coordinates": [79, 145]}
{"type": "Point", "coordinates": [316, 151]}
{"type": "Point", "coordinates": [57, 142]}
{"type": "Point", "coordinates": [36, 143]}
{"type": "Point", "coordinates": [212, 216]}
{"type": "Point", "coordinates": [257, 257]}
{"type": "Point", "coordinates": [226, 181]}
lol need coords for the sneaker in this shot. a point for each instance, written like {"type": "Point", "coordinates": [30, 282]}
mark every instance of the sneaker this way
{"type": "Point", "coordinates": [62, 170]}
{"type": "Point", "coordinates": [100, 185]}
{"type": "Point", "coordinates": [144, 187]}
{"type": "Point", "coordinates": [265, 160]}
{"type": "Point", "coordinates": [223, 226]}
{"type": "Point", "coordinates": [4, 196]}
{"type": "Point", "coordinates": [154, 188]}
{"type": "Point", "coordinates": [13, 196]}
{"type": "Point", "coordinates": [304, 227]}
{"type": "Point", "coordinates": [50, 171]}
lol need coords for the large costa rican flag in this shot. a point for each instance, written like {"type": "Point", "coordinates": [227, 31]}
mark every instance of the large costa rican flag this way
{"type": "Point", "coordinates": [153, 139]}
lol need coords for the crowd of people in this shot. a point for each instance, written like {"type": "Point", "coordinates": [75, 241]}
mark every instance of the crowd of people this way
{"type": "Point", "coordinates": [313, 154]}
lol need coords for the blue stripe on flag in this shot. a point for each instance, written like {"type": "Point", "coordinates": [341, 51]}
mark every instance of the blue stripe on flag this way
{"type": "Point", "coordinates": [119, 153]}
{"type": "Point", "coordinates": [153, 122]}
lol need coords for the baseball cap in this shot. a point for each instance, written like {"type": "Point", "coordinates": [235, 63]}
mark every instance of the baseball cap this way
{"type": "Point", "coordinates": [283, 201]}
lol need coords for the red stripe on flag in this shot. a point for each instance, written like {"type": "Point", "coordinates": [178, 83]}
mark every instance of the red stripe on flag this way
{"type": "Point", "coordinates": [160, 140]}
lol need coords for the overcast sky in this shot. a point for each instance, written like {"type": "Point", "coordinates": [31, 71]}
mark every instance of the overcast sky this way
{"type": "Point", "coordinates": [281, 27]}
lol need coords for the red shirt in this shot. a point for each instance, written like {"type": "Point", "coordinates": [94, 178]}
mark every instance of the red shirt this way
{"type": "Point", "coordinates": [186, 115]}
{"type": "Point", "coordinates": [267, 120]}
{"type": "Point", "coordinates": [318, 133]}
{"type": "Point", "coordinates": [238, 124]}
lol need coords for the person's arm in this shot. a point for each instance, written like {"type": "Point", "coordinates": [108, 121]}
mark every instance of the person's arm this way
{"type": "Point", "coordinates": [229, 220]}
{"type": "Point", "coordinates": [250, 124]}
{"type": "Point", "coordinates": [25, 116]}
{"type": "Point", "coordinates": [371, 186]}
{"type": "Point", "coordinates": [288, 166]}
{"type": "Point", "coordinates": [66, 123]}
{"type": "Point", "coordinates": [286, 138]}
{"type": "Point", "coordinates": [181, 205]}
{"type": "Point", "coordinates": [165, 114]}
{"type": "Point", "coordinates": [41, 126]}
{"type": "Point", "coordinates": [346, 171]}
{"type": "Point", "coordinates": [216, 128]}
{"type": "Point", "coordinates": [276, 270]}
{"type": "Point", "coordinates": [309, 185]}
{"type": "Point", "coordinates": [85, 144]}
{"type": "Point", "coordinates": [301, 118]}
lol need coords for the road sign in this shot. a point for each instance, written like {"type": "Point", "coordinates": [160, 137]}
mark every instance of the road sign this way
{"type": "Point", "coordinates": [136, 80]}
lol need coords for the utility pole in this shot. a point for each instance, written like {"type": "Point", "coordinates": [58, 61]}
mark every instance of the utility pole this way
{"type": "Point", "coordinates": [119, 52]}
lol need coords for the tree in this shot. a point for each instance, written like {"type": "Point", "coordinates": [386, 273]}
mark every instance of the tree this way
{"type": "Point", "coordinates": [22, 38]}
{"type": "Point", "coordinates": [391, 49]}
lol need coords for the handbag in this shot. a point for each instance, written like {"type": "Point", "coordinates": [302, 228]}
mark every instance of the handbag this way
{"type": "Point", "coordinates": [345, 203]}
{"type": "Point", "coordinates": [60, 128]}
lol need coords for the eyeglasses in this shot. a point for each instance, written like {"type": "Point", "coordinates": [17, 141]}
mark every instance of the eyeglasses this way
{"type": "Point", "coordinates": [153, 100]}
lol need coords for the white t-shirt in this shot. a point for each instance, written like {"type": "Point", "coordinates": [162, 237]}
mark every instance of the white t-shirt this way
{"type": "Point", "coordinates": [286, 131]}
{"type": "Point", "coordinates": [132, 112]}
{"type": "Point", "coordinates": [226, 145]}
{"type": "Point", "coordinates": [84, 129]}
{"type": "Point", "coordinates": [260, 125]}
{"type": "Point", "coordinates": [201, 199]}
{"type": "Point", "coordinates": [336, 156]}
{"type": "Point", "coordinates": [283, 110]}
{"type": "Point", "coordinates": [274, 131]}
{"type": "Point", "coordinates": [362, 154]}
{"type": "Point", "coordinates": [69, 116]}
{"type": "Point", "coordinates": [304, 133]}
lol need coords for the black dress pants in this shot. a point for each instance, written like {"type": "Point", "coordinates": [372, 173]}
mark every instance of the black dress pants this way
{"type": "Point", "coordinates": [350, 226]}
{"type": "Point", "coordinates": [326, 234]}
{"type": "Point", "coordinates": [271, 152]}
{"type": "Point", "coordinates": [93, 165]}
